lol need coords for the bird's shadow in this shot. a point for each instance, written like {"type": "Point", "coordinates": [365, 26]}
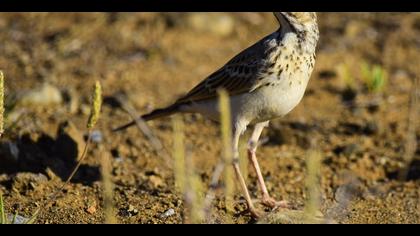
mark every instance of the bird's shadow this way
{"type": "Point", "coordinates": [46, 154]}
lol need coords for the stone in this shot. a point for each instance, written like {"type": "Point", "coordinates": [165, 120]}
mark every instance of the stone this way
{"type": "Point", "coordinates": [18, 219]}
{"type": "Point", "coordinates": [91, 209]}
{"type": "Point", "coordinates": [46, 95]}
{"type": "Point", "coordinates": [156, 181]}
{"type": "Point", "coordinates": [168, 213]}
{"type": "Point", "coordinates": [97, 136]}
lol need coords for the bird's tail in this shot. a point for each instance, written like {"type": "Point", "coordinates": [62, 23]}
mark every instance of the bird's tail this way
{"type": "Point", "coordinates": [158, 113]}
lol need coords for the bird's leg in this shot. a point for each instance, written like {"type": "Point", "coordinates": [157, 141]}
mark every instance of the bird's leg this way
{"type": "Point", "coordinates": [252, 148]}
{"type": "Point", "coordinates": [239, 176]}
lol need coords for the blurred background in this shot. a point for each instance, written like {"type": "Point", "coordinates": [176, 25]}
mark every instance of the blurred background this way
{"type": "Point", "coordinates": [360, 111]}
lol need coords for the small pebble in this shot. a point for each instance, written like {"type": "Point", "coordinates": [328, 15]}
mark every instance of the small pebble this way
{"type": "Point", "coordinates": [371, 128]}
{"type": "Point", "coordinates": [19, 219]}
{"type": "Point", "coordinates": [91, 209]}
{"type": "Point", "coordinates": [168, 213]}
{"type": "Point", "coordinates": [132, 210]}
{"type": "Point", "coordinates": [119, 159]}
{"type": "Point", "coordinates": [97, 136]}
{"type": "Point", "coordinates": [156, 181]}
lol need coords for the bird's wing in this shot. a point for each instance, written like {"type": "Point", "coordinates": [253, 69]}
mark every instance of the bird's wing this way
{"type": "Point", "coordinates": [243, 73]}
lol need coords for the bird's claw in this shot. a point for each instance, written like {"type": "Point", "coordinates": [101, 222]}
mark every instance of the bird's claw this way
{"type": "Point", "coordinates": [272, 203]}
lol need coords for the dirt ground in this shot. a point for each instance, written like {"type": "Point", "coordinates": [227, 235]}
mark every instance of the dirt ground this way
{"type": "Point", "coordinates": [150, 59]}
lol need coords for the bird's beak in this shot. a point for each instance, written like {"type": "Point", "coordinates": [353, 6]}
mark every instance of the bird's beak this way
{"type": "Point", "coordinates": [281, 17]}
{"type": "Point", "coordinates": [278, 15]}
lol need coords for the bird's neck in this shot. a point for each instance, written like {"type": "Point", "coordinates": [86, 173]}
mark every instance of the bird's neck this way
{"type": "Point", "coordinates": [307, 36]}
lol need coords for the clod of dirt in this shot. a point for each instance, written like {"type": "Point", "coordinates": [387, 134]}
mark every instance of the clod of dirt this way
{"type": "Point", "coordinates": [132, 210]}
{"type": "Point", "coordinates": [291, 134]}
{"type": "Point", "coordinates": [359, 128]}
{"type": "Point", "coordinates": [91, 209]}
{"type": "Point", "coordinates": [24, 182]}
{"type": "Point", "coordinates": [156, 181]}
{"type": "Point", "coordinates": [286, 216]}
{"type": "Point", "coordinates": [348, 95]}
{"type": "Point", "coordinates": [215, 23]}
{"type": "Point", "coordinates": [348, 149]}
{"type": "Point", "coordinates": [327, 74]}
{"type": "Point", "coordinates": [71, 99]}
{"type": "Point", "coordinates": [371, 128]}
{"type": "Point", "coordinates": [46, 95]}
{"type": "Point", "coordinates": [51, 174]}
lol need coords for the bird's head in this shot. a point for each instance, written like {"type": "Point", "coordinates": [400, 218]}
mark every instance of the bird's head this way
{"type": "Point", "coordinates": [298, 21]}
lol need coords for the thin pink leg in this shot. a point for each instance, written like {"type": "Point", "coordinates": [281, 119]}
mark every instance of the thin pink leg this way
{"type": "Point", "coordinates": [252, 148]}
{"type": "Point", "coordinates": [240, 177]}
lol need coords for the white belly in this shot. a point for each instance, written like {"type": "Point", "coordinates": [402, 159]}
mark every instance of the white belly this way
{"type": "Point", "coordinates": [263, 104]}
{"type": "Point", "coordinates": [279, 100]}
{"type": "Point", "coordinates": [271, 102]}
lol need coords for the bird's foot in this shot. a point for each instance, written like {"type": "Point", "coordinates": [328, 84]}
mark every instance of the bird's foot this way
{"type": "Point", "coordinates": [272, 203]}
{"type": "Point", "coordinates": [255, 213]}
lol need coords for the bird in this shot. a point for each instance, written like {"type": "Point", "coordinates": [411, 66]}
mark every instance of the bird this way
{"type": "Point", "coordinates": [264, 82]}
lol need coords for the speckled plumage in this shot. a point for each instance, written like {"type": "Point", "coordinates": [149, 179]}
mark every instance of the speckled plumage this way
{"type": "Point", "coordinates": [265, 81]}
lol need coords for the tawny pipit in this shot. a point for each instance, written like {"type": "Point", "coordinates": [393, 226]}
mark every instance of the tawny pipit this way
{"type": "Point", "coordinates": [264, 82]}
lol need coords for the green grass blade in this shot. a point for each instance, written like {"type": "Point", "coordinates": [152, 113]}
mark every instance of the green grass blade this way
{"type": "Point", "coordinates": [14, 218]}
{"type": "Point", "coordinates": [378, 78]}
{"type": "Point", "coordinates": [365, 70]}
{"type": "Point", "coordinates": [2, 213]}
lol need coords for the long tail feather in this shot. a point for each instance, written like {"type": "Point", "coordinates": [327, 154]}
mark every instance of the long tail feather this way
{"type": "Point", "coordinates": [158, 113]}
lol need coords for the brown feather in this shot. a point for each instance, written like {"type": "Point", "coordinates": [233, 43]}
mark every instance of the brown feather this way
{"type": "Point", "coordinates": [232, 76]}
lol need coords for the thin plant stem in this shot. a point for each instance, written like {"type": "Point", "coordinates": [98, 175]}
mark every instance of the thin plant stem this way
{"type": "Point", "coordinates": [312, 206]}
{"type": "Point", "coordinates": [410, 142]}
{"type": "Point", "coordinates": [82, 157]}
{"type": "Point", "coordinates": [179, 153]}
{"type": "Point", "coordinates": [147, 132]}
{"type": "Point", "coordinates": [2, 213]}
{"type": "Point", "coordinates": [218, 171]}
{"type": "Point", "coordinates": [226, 130]}
{"type": "Point", "coordinates": [33, 217]}
{"type": "Point", "coordinates": [106, 168]}
{"type": "Point", "coordinates": [1, 104]}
